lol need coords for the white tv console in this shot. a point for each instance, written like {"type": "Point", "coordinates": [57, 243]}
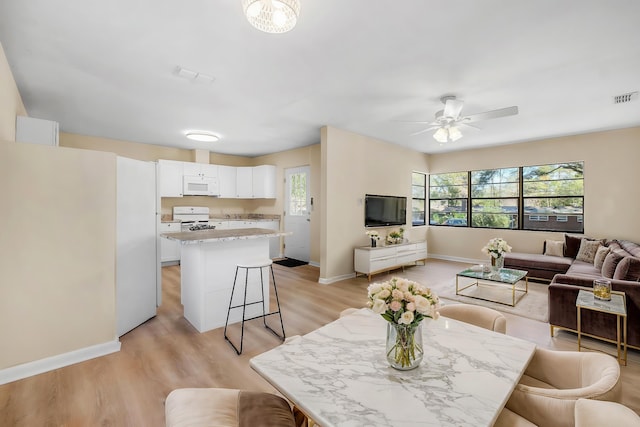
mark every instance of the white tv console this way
{"type": "Point", "coordinates": [369, 261]}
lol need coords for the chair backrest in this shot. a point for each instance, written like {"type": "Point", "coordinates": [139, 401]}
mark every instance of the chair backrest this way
{"type": "Point", "coordinates": [483, 317]}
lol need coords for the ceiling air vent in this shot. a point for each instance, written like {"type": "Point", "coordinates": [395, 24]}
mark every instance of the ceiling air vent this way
{"type": "Point", "coordinates": [625, 97]}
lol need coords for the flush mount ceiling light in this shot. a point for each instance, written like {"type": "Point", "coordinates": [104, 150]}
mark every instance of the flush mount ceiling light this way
{"type": "Point", "coordinates": [201, 135]}
{"type": "Point", "coordinates": [447, 134]}
{"type": "Point", "coordinates": [272, 16]}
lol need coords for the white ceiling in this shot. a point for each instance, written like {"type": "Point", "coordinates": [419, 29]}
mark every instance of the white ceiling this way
{"type": "Point", "coordinates": [108, 68]}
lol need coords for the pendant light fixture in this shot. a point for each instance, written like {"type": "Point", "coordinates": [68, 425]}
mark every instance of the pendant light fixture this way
{"type": "Point", "coordinates": [272, 16]}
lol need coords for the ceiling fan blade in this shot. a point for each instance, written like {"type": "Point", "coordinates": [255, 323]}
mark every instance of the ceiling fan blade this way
{"type": "Point", "coordinates": [428, 122]}
{"type": "Point", "coordinates": [452, 108]}
{"type": "Point", "coordinates": [467, 124]}
{"type": "Point", "coordinates": [423, 131]}
{"type": "Point", "coordinates": [494, 114]}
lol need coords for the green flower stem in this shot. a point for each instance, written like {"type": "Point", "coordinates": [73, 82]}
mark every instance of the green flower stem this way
{"type": "Point", "coordinates": [404, 350]}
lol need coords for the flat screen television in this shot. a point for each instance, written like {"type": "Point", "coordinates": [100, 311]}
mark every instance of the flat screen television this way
{"type": "Point", "coordinates": [380, 211]}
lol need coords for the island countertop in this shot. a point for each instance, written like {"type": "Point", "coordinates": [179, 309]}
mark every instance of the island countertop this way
{"type": "Point", "coordinates": [203, 236]}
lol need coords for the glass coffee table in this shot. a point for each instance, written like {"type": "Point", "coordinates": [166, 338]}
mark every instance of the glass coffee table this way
{"type": "Point", "coordinates": [496, 280]}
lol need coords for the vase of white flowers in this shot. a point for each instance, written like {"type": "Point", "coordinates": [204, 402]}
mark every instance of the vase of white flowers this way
{"type": "Point", "coordinates": [496, 248]}
{"type": "Point", "coordinates": [374, 236]}
{"type": "Point", "coordinates": [403, 304]}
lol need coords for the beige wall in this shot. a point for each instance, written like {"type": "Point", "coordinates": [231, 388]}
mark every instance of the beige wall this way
{"type": "Point", "coordinates": [610, 179]}
{"type": "Point", "coordinates": [57, 251]}
{"type": "Point", "coordinates": [352, 166]}
{"type": "Point", "coordinates": [10, 101]}
{"type": "Point", "coordinates": [309, 155]}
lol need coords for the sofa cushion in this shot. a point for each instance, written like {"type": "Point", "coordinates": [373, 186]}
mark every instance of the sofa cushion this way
{"type": "Point", "coordinates": [611, 262]}
{"type": "Point", "coordinates": [538, 261]}
{"type": "Point", "coordinates": [586, 269]}
{"type": "Point", "coordinates": [554, 247]}
{"type": "Point", "coordinates": [588, 249]}
{"type": "Point", "coordinates": [601, 254]}
{"type": "Point", "coordinates": [628, 269]}
{"type": "Point", "coordinates": [632, 248]}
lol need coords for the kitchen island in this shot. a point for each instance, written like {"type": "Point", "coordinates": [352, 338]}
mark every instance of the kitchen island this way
{"type": "Point", "coordinates": [208, 266]}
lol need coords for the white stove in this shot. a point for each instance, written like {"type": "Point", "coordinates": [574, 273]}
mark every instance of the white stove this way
{"type": "Point", "coordinates": [192, 218]}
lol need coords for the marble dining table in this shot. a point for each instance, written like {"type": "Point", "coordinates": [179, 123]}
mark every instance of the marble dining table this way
{"type": "Point", "coordinates": [338, 375]}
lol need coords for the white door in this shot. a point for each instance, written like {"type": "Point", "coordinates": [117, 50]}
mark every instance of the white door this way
{"type": "Point", "coordinates": [297, 213]}
{"type": "Point", "coordinates": [136, 258]}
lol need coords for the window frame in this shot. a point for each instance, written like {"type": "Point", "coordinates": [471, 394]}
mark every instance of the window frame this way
{"type": "Point", "coordinates": [423, 199]}
{"type": "Point", "coordinates": [551, 217]}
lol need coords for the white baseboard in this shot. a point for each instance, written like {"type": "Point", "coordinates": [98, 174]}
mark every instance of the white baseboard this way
{"type": "Point", "coordinates": [36, 367]}
{"type": "Point", "coordinates": [314, 264]}
{"type": "Point", "coordinates": [336, 279]}
{"type": "Point", "coordinates": [458, 259]}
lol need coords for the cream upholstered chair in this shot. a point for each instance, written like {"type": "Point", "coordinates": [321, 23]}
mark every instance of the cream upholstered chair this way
{"type": "Point", "coordinates": [508, 418]}
{"type": "Point", "coordinates": [483, 317]}
{"type": "Point", "coordinates": [221, 407]}
{"type": "Point", "coordinates": [554, 380]}
{"type": "Point", "coordinates": [592, 413]}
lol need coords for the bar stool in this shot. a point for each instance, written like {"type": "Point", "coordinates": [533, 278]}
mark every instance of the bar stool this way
{"type": "Point", "coordinates": [247, 267]}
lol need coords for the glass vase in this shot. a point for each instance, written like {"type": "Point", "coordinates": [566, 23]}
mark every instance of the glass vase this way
{"type": "Point", "coordinates": [404, 346]}
{"type": "Point", "coordinates": [497, 263]}
{"type": "Point", "coordinates": [373, 243]}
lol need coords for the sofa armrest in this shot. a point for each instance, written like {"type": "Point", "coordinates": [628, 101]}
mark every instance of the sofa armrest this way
{"type": "Point", "coordinates": [566, 279]}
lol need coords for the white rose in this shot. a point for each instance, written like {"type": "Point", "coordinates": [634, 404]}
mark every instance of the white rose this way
{"type": "Point", "coordinates": [374, 288]}
{"type": "Point", "coordinates": [422, 304]}
{"type": "Point", "coordinates": [384, 294]}
{"type": "Point", "coordinates": [379, 306]}
{"type": "Point", "coordinates": [406, 318]}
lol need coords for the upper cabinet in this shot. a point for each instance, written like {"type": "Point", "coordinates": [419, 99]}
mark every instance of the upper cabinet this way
{"type": "Point", "coordinates": [170, 174]}
{"type": "Point", "coordinates": [227, 181]}
{"type": "Point", "coordinates": [200, 169]}
{"type": "Point", "coordinates": [177, 179]}
{"type": "Point", "coordinates": [244, 182]}
{"type": "Point", "coordinates": [264, 182]}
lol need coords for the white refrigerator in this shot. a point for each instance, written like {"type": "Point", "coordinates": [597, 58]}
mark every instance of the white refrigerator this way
{"type": "Point", "coordinates": [138, 284]}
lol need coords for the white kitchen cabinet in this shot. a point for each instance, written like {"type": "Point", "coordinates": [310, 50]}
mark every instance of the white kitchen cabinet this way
{"type": "Point", "coordinates": [36, 131]}
{"type": "Point", "coordinates": [370, 261]}
{"type": "Point", "coordinates": [170, 174]}
{"type": "Point", "coordinates": [264, 182]}
{"type": "Point", "coordinates": [169, 249]}
{"type": "Point", "coordinates": [204, 170]}
{"type": "Point", "coordinates": [227, 181]}
{"type": "Point", "coordinates": [244, 182]}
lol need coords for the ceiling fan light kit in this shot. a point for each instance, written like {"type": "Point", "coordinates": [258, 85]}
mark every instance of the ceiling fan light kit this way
{"type": "Point", "coordinates": [272, 16]}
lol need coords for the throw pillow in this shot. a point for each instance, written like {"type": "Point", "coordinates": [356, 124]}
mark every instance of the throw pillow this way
{"type": "Point", "coordinates": [628, 269]}
{"type": "Point", "coordinates": [572, 245]}
{"type": "Point", "coordinates": [611, 261]}
{"type": "Point", "coordinates": [601, 254]}
{"type": "Point", "coordinates": [554, 247]}
{"type": "Point", "coordinates": [588, 249]}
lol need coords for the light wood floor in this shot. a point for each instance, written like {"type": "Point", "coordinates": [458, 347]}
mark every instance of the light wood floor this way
{"type": "Point", "coordinates": [128, 388]}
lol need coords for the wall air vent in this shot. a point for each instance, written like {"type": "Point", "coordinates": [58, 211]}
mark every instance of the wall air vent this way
{"type": "Point", "coordinates": [625, 97]}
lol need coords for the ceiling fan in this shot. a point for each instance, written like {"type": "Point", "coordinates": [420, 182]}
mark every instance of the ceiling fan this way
{"type": "Point", "coordinates": [447, 121]}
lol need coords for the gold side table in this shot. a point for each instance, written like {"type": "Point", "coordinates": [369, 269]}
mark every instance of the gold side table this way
{"type": "Point", "coordinates": [617, 307]}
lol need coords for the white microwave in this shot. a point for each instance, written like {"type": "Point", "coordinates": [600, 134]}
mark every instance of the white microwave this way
{"type": "Point", "coordinates": [193, 185]}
